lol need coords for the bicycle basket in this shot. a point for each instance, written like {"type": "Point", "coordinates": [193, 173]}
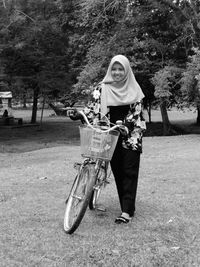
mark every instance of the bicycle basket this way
{"type": "Point", "coordinates": [97, 144]}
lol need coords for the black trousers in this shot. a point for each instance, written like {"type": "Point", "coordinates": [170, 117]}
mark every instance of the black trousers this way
{"type": "Point", "coordinates": [125, 167]}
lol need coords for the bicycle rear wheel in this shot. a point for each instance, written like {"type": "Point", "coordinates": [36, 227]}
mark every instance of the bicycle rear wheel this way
{"type": "Point", "coordinates": [79, 197]}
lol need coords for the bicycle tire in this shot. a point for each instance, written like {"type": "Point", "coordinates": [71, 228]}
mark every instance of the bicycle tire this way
{"type": "Point", "coordinates": [96, 192]}
{"type": "Point", "coordinates": [79, 197]}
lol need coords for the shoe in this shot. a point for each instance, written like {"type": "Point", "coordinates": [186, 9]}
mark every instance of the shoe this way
{"type": "Point", "coordinates": [122, 219]}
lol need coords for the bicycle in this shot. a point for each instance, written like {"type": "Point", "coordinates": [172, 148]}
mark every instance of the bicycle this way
{"type": "Point", "coordinates": [97, 147]}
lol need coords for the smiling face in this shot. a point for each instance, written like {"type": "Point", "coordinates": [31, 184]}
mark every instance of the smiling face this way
{"type": "Point", "coordinates": [117, 72]}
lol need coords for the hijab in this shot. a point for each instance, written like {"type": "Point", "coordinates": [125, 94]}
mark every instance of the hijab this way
{"type": "Point", "coordinates": [128, 93]}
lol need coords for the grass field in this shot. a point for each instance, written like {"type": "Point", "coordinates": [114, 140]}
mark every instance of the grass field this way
{"type": "Point", "coordinates": [36, 174]}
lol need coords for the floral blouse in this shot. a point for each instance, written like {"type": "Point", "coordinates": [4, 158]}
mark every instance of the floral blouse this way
{"type": "Point", "coordinates": [134, 120]}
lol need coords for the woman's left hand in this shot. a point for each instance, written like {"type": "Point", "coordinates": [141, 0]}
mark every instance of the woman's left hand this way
{"type": "Point", "coordinates": [123, 130]}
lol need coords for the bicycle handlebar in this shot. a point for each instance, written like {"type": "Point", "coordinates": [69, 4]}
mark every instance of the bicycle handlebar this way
{"type": "Point", "coordinates": [97, 129]}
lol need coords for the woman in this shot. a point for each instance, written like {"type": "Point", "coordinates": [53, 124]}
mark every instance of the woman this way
{"type": "Point", "coordinates": [119, 96]}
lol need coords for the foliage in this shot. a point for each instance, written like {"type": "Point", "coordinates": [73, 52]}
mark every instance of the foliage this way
{"type": "Point", "coordinates": [191, 80]}
{"type": "Point", "coordinates": [34, 48]}
{"type": "Point", "coordinates": [150, 33]}
{"type": "Point", "coordinates": [59, 45]}
{"type": "Point", "coordinates": [167, 88]}
{"type": "Point", "coordinates": [110, 39]}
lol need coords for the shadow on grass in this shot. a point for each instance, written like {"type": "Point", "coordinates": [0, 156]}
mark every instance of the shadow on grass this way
{"type": "Point", "coordinates": [177, 128]}
{"type": "Point", "coordinates": [59, 131]}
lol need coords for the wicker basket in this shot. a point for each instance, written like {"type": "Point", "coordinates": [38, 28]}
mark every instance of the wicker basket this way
{"type": "Point", "coordinates": [97, 144]}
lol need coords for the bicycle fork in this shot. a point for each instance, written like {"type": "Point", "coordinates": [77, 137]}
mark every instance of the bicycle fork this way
{"type": "Point", "coordinates": [100, 168]}
{"type": "Point", "coordinates": [101, 175]}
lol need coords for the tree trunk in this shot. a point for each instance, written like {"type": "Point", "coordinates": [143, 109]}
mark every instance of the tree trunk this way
{"type": "Point", "coordinates": [42, 112]}
{"type": "Point", "coordinates": [149, 111]}
{"type": "Point", "coordinates": [198, 115]}
{"type": "Point", "coordinates": [35, 101]}
{"type": "Point", "coordinates": [165, 119]}
{"type": "Point", "coordinates": [24, 100]}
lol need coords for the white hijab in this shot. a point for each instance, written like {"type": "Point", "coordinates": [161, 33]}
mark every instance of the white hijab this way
{"type": "Point", "coordinates": [130, 91]}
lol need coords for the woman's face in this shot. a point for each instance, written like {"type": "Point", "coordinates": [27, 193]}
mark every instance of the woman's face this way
{"type": "Point", "coordinates": [117, 72]}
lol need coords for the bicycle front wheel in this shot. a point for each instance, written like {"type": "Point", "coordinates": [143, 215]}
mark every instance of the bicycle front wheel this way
{"type": "Point", "coordinates": [79, 197]}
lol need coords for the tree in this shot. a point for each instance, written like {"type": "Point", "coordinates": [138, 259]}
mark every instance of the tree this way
{"type": "Point", "coordinates": [35, 49]}
{"type": "Point", "coordinates": [153, 34]}
{"type": "Point", "coordinates": [191, 83]}
{"type": "Point", "coordinates": [71, 42]}
{"type": "Point", "coordinates": [111, 32]}
{"type": "Point", "coordinates": [166, 82]}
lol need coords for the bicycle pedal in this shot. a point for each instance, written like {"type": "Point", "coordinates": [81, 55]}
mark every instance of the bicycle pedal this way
{"type": "Point", "coordinates": [101, 208]}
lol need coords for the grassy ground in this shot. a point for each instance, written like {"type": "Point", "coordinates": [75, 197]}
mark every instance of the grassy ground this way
{"type": "Point", "coordinates": [35, 183]}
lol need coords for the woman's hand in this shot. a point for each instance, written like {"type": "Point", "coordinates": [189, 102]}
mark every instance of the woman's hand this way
{"type": "Point", "coordinates": [122, 128]}
{"type": "Point", "coordinates": [75, 115]}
